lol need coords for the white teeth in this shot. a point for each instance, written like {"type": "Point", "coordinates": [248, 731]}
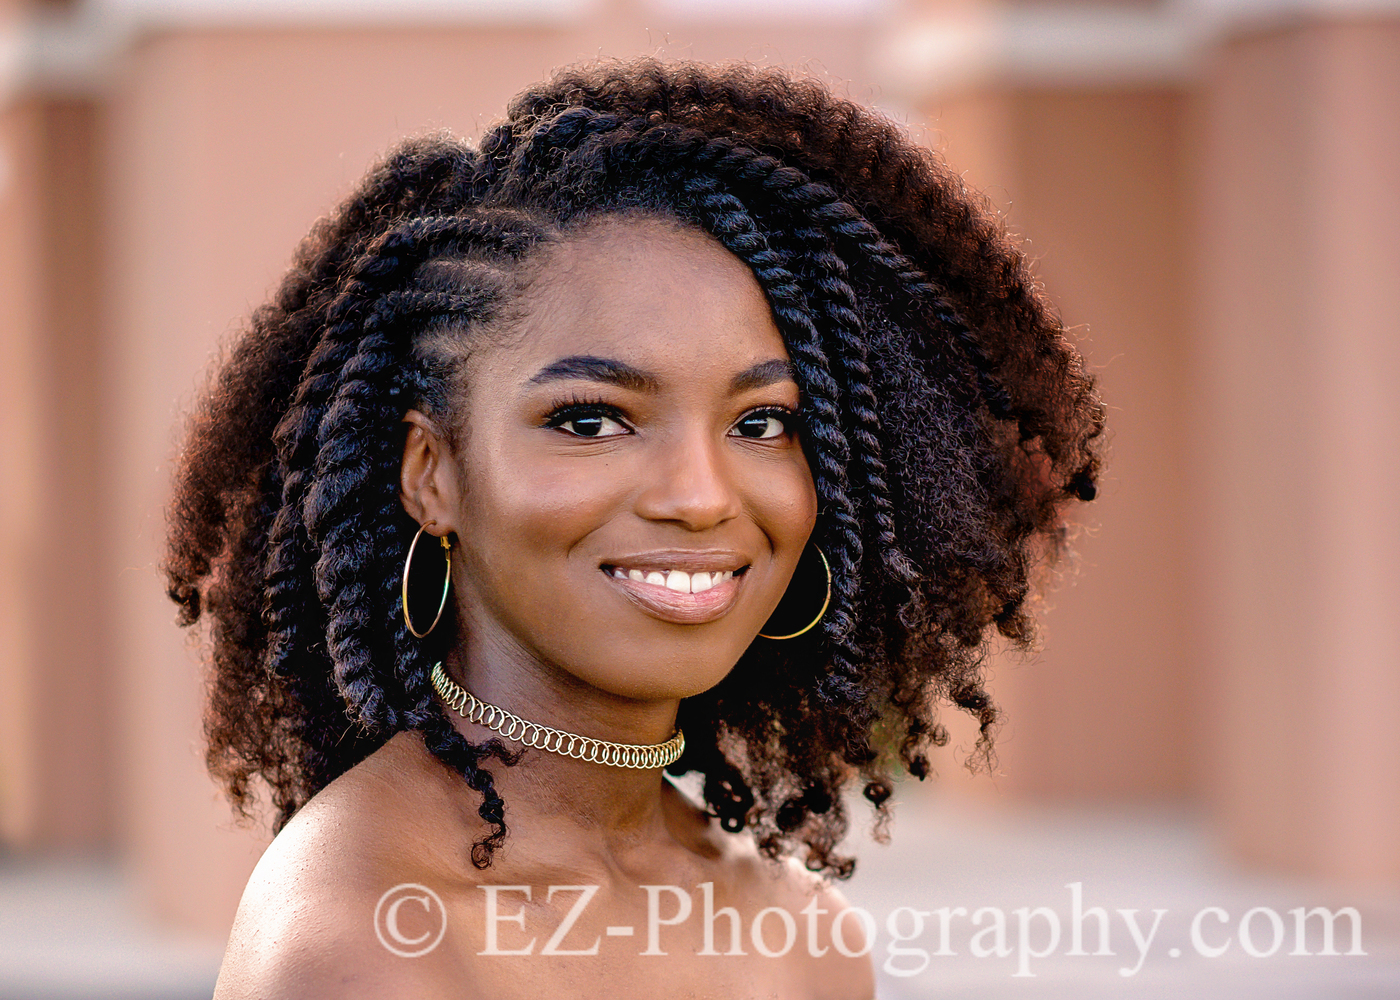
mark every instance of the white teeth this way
{"type": "Point", "coordinates": [676, 579]}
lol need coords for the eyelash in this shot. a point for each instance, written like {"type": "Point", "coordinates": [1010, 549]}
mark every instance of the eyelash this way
{"type": "Point", "coordinates": [576, 407]}
{"type": "Point", "coordinates": [783, 415]}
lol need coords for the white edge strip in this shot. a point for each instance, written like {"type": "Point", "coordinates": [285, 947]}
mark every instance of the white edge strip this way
{"type": "Point", "coordinates": [1075, 43]}
{"type": "Point", "coordinates": [75, 51]}
{"type": "Point", "coordinates": [1228, 16]}
{"type": "Point", "coordinates": [747, 12]}
{"type": "Point", "coordinates": [1065, 43]}
{"type": "Point", "coordinates": [187, 13]}
{"type": "Point", "coordinates": [1043, 46]}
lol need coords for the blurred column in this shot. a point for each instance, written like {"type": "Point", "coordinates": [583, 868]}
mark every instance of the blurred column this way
{"type": "Point", "coordinates": [1106, 711]}
{"type": "Point", "coordinates": [55, 660]}
{"type": "Point", "coordinates": [1071, 120]}
{"type": "Point", "coordinates": [1298, 490]}
{"type": "Point", "coordinates": [19, 499]}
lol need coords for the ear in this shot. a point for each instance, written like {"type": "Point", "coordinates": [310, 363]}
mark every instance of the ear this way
{"type": "Point", "coordinates": [428, 484]}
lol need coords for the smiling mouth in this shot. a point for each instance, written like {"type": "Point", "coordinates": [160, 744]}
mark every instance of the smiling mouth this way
{"type": "Point", "coordinates": [675, 595]}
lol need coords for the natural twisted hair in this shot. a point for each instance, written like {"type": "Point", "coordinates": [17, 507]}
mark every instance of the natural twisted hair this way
{"type": "Point", "coordinates": [946, 419]}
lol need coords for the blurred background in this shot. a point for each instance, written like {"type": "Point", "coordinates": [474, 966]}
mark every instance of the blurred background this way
{"type": "Point", "coordinates": [1210, 190]}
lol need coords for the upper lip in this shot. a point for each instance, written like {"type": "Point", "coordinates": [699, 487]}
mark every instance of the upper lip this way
{"type": "Point", "coordinates": [687, 560]}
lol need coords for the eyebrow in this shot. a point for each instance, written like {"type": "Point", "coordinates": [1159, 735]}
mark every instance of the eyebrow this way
{"type": "Point", "coordinates": [589, 368]}
{"type": "Point", "coordinates": [763, 373]}
{"type": "Point", "coordinates": [593, 369]}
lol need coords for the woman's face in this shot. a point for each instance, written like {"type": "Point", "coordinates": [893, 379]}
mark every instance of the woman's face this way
{"type": "Point", "coordinates": [630, 492]}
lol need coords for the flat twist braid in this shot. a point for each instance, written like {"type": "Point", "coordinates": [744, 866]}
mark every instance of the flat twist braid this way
{"type": "Point", "coordinates": [337, 500]}
{"type": "Point", "coordinates": [902, 188]}
{"type": "Point", "coordinates": [947, 421]}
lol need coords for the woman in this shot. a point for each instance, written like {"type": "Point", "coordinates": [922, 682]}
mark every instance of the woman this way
{"type": "Point", "coordinates": [696, 422]}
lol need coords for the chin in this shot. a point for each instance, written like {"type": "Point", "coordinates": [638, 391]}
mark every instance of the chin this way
{"type": "Point", "coordinates": [658, 679]}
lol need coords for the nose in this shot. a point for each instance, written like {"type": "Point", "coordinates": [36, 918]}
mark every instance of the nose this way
{"type": "Point", "coordinates": [689, 483]}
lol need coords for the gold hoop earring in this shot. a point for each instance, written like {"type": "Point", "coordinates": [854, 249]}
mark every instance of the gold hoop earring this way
{"type": "Point", "coordinates": [826, 602]}
{"type": "Point", "coordinates": [446, 580]}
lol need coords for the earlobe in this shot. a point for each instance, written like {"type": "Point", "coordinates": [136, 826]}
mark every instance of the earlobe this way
{"type": "Point", "coordinates": [427, 484]}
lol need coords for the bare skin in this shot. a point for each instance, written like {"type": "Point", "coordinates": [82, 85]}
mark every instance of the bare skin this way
{"type": "Point", "coordinates": [635, 419]}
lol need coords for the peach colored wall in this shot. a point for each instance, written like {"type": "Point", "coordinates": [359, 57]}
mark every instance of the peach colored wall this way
{"type": "Point", "coordinates": [1108, 707]}
{"type": "Point", "coordinates": [1299, 475]}
{"type": "Point", "coordinates": [1096, 178]}
{"type": "Point", "coordinates": [56, 749]}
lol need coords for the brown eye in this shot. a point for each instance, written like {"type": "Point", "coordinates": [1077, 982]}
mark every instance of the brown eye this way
{"type": "Point", "coordinates": [762, 425]}
{"type": "Point", "coordinates": [587, 422]}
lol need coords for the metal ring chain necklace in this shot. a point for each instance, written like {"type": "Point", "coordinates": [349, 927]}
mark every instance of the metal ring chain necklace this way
{"type": "Point", "coordinates": [532, 734]}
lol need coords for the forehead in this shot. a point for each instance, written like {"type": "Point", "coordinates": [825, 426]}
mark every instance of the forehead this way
{"type": "Point", "coordinates": [651, 292]}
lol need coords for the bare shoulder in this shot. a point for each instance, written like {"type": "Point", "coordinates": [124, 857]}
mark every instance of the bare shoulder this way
{"type": "Point", "coordinates": [823, 939]}
{"type": "Point", "coordinates": [837, 948]}
{"type": "Point", "coordinates": [306, 926]}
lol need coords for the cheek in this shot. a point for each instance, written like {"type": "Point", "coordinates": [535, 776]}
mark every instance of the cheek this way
{"type": "Point", "coordinates": [784, 506]}
{"type": "Point", "coordinates": [519, 510]}
{"type": "Point", "coordinates": [522, 522]}
{"type": "Point", "coordinates": [787, 506]}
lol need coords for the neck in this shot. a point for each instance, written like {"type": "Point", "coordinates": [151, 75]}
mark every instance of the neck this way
{"type": "Point", "coordinates": [598, 800]}
{"type": "Point", "coordinates": [537, 736]}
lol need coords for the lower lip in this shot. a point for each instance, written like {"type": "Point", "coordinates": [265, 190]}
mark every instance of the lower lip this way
{"type": "Point", "coordinates": [674, 606]}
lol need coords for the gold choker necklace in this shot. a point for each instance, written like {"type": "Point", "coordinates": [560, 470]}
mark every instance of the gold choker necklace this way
{"type": "Point", "coordinates": [532, 734]}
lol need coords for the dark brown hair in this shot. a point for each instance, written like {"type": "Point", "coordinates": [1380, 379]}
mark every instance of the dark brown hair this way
{"type": "Point", "coordinates": [945, 416]}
